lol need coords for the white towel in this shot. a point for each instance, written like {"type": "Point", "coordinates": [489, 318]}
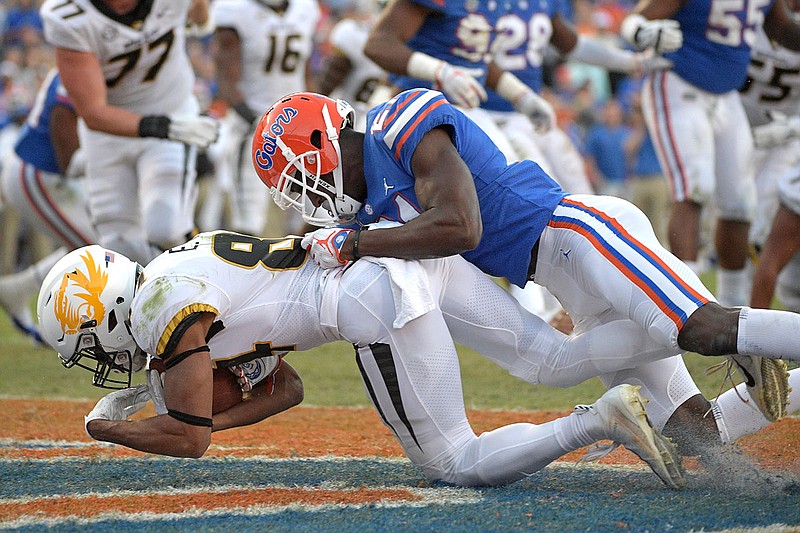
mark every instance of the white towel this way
{"type": "Point", "coordinates": [410, 288]}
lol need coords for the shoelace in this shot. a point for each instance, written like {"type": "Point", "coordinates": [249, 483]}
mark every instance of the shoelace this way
{"type": "Point", "coordinates": [597, 450]}
{"type": "Point", "coordinates": [728, 365]}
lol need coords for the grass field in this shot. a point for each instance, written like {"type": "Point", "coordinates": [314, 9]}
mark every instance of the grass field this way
{"type": "Point", "coordinates": [329, 373]}
{"type": "Point", "coordinates": [330, 465]}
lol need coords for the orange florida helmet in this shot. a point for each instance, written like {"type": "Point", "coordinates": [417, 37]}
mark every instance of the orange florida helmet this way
{"type": "Point", "coordinates": [296, 154]}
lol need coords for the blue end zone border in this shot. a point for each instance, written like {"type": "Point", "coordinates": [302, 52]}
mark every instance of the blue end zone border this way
{"type": "Point", "coordinates": [563, 497]}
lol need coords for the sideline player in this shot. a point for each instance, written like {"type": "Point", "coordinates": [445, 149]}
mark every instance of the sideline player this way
{"type": "Point", "coordinates": [424, 164]}
{"type": "Point", "coordinates": [697, 122]}
{"type": "Point", "coordinates": [348, 73]}
{"type": "Point", "coordinates": [226, 299]}
{"type": "Point", "coordinates": [125, 66]}
{"type": "Point", "coordinates": [263, 50]}
{"type": "Point", "coordinates": [42, 179]}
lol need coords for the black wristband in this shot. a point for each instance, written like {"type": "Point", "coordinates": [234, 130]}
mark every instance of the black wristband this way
{"type": "Point", "coordinates": [356, 255]}
{"type": "Point", "coordinates": [154, 126]}
{"type": "Point", "coordinates": [244, 111]}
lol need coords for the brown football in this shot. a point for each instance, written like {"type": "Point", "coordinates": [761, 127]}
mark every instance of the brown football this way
{"type": "Point", "coordinates": [227, 391]}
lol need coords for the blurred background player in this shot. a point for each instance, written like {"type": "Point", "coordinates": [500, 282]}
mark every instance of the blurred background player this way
{"type": "Point", "coordinates": [125, 66]}
{"type": "Point", "coordinates": [262, 51]}
{"type": "Point", "coordinates": [42, 179]}
{"type": "Point", "coordinates": [697, 122]}
{"type": "Point", "coordinates": [347, 72]}
{"type": "Point", "coordinates": [771, 98]}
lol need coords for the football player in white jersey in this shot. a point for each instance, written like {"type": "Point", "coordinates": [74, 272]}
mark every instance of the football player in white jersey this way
{"type": "Point", "coordinates": [348, 73]}
{"type": "Point", "coordinates": [125, 67]}
{"type": "Point", "coordinates": [771, 99]}
{"type": "Point", "coordinates": [262, 52]}
{"type": "Point", "coordinates": [226, 299]}
{"type": "Point", "coordinates": [698, 124]}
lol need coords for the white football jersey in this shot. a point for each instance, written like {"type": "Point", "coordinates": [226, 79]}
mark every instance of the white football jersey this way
{"type": "Point", "coordinates": [266, 295]}
{"type": "Point", "coordinates": [773, 81]}
{"type": "Point", "coordinates": [349, 36]}
{"type": "Point", "coordinates": [275, 46]}
{"type": "Point", "coordinates": [144, 61]}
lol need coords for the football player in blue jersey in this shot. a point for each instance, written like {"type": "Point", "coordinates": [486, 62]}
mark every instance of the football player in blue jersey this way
{"type": "Point", "coordinates": [697, 121]}
{"type": "Point", "coordinates": [424, 165]}
{"type": "Point", "coordinates": [42, 180]}
{"type": "Point", "coordinates": [425, 43]}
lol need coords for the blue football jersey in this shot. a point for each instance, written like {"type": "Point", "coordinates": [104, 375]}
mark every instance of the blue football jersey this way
{"type": "Point", "coordinates": [522, 36]}
{"type": "Point", "coordinates": [717, 35]}
{"type": "Point", "coordinates": [34, 145]}
{"type": "Point", "coordinates": [460, 33]}
{"type": "Point", "coordinates": [516, 201]}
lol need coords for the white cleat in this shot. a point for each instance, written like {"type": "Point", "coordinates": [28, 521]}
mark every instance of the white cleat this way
{"type": "Point", "coordinates": [15, 301]}
{"type": "Point", "coordinates": [622, 410]}
{"type": "Point", "coordinates": [767, 381]}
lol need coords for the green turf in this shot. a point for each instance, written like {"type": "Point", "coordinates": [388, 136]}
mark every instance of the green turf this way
{"type": "Point", "coordinates": [329, 372]}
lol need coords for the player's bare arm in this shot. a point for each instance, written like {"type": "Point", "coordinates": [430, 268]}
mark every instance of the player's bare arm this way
{"type": "Point", "coordinates": [188, 394]}
{"type": "Point", "coordinates": [228, 61]}
{"type": "Point", "coordinates": [198, 13]}
{"type": "Point", "coordinates": [335, 70]}
{"type": "Point", "coordinates": [782, 27]}
{"type": "Point", "coordinates": [82, 76]}
{"type": "Point", "coordinates": [398, 22]}
{"type": "Point", "coordinates": [658, 9]}
{"type": "Point", "coordinates": [450, 222]}
{"type": "Point", "coordinates": [64, 134]}
{"type": "Point", "coordinates": [564, 37]}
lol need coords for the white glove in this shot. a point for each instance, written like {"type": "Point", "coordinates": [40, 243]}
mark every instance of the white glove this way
{"type": "Point", "coordinates": [156, 389]}
{"type": "Point", "coordinates": [77, 165]}
{"type": "Point", "coordinates": [777, 131]}
{"type": "Point", "coordinates": [663, 35]}
{"type": "Point", "coordinates": [648, 62]}
{"type": "Point", "coordinates": [196, 130]}
{"type": "Point", "coordinates": [118, 405]}
{"type": "Point", "coordinates": [325, 246]}
{"type": "Point", "coordinates": [460, 86]}
{"type": "Point", "coordinates": [537, 109]}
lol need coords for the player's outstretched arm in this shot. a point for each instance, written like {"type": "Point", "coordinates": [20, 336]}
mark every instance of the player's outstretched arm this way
{"type": "Point", "coordinates": [185, 431]}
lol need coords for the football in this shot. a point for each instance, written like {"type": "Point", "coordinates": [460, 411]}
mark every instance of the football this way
{"type": "Point", "coordinates": [227, 391]}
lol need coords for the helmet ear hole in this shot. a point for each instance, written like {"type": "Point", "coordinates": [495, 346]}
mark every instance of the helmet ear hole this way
{"type": "Point", "coordinates": [112, 320]}
{"type": "Point", "coordinates": [316, 139]}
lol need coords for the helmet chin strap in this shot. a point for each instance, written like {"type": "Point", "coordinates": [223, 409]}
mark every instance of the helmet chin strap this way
{"type": "Point", "coordinates": [345, 205]}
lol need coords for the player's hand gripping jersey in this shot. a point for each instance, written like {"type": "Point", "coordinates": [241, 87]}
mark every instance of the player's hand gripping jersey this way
{"type": "Point", "coordinates": [513, 215]}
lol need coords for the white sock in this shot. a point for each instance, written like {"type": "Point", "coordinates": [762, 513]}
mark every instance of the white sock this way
{"type": "Point", "coordinates": [736, 416]}
{"type": "Point", "coordinates": [769, 333]}
{"type": "Point", "coordinates": [733, 286]}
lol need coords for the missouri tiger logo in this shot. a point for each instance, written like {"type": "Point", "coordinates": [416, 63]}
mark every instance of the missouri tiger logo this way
{"type": "Point", "coordinates": [87, 286]}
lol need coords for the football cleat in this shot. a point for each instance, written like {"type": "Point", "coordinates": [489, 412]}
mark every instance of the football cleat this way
{"type": "Point", "coordinates": [14, 300]}
{"type": "Point", "coordinates": [767, 382]}
{"type": "Point", "coordinates": [626, 423]}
